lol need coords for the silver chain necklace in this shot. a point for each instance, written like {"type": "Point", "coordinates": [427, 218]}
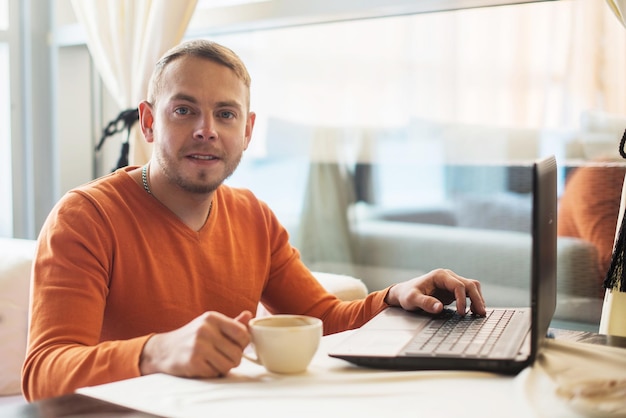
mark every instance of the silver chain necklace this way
{"type": "Point", "coordinates": [146, 186]}
{"type": "Point", "coordinates": [144, 179]}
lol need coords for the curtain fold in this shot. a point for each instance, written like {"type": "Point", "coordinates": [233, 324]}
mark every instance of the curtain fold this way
{"type": "Point", "coordinates": [125, 39]}
{"type": "Point", "coordinates": [324, 234]}
{"type": "Point", "coordinates": [619, 8]}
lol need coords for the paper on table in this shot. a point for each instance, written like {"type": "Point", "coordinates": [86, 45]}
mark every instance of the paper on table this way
{"type": "Point", "coordinates": [584, 378]}
{"type": "Point", "coordinates": [330, 387]}
{"type": "Point", "coordinates": [355, 395]}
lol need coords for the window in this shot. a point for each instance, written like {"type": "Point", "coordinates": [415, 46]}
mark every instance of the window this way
{"type": "Point", "coordinates": [435, 119]}
{"type": "Point", "coordinates": [412, 94]}
{"type": "Point", "coordinates": [6, 208]}
{"type": "Point", "coordinates": [4, 15]}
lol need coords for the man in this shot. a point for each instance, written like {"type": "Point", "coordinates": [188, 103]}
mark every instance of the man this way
{"type": "Point", "coordinates": [158, 268]}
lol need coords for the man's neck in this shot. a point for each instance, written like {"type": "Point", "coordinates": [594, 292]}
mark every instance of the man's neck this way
{"type": "Point", "coordinates": [192, 208]}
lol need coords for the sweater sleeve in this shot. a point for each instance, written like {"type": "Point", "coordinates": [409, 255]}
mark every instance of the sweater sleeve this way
{"type": "Point", "coordinates": [69, 291]}
{"type": "Point", "coordinates": [292, 288]}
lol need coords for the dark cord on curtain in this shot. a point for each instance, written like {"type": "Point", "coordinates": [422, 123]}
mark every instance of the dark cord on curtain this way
{"type": "Point", "coordinates": [124, 121]}
{"type": "Point", "coordinates": [615, 277]}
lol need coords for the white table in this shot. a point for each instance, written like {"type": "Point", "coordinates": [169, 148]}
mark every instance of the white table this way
{"type": "Point", "coordinates": [334, 388]}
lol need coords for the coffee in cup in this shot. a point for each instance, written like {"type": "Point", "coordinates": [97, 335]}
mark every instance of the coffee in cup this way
{"type": "Point", "coordinates": [285, 343]}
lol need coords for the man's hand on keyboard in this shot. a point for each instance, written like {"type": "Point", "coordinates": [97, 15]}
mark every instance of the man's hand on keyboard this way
{"type": "Point", "coordinates": [432, 291]}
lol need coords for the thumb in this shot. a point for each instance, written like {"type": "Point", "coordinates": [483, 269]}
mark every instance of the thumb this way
{"type": "Point", "coordinates": [244, 317]}
{"type": "Point", "coordinates": [430, 304]}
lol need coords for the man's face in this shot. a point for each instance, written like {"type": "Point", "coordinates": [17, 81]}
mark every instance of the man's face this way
{"type": "Point", "coordinates": [200, 124]}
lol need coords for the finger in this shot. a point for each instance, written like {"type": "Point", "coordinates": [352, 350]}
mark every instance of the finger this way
{"type": "Point", "coordinates": [203, 363]}
{"type": "Point", "coordinates": [224, 341]}
{"type": "Point", "coordinates": [237, 334]}
{"type": "Point", "coordinates": [234, 330]}
{"type": "Point", "coordinates": [223, 354]}
{"type": "Point", "coordinates": [454, 284]}
{"type": "Point", "coordinates": [244, 317]}
{"type": "Point", "coordinates": [212, 370]}
{"type": "Point", "coordinates": [460, 296]}
{"type": "Point", "coordinates": [477, 301]}
{"type": "Point", "coordinates": [474, 292]}
{"type": "Point", "coordinates": [226, 357]}
{"type": "Point", "coordinates": [429, 304]}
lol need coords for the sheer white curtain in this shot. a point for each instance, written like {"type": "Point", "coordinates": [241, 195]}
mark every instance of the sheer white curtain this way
{"type": "Point", "coordinates": [537, 65]}
{"type": "Point", "coordinates": [125, 39]}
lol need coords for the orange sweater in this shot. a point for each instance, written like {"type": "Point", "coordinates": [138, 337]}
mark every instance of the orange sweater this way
{"type": "Point", "coordinates": [589, 208]}
{"type": "Point", "coordinates": [114, 266]}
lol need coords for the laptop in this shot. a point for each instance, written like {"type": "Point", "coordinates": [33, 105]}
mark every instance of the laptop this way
{"type": "Point", "coordinates": [398, 339]}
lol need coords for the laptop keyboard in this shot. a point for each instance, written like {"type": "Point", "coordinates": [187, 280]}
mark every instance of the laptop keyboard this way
{"type": "Point", "coordinates": [453, 334]}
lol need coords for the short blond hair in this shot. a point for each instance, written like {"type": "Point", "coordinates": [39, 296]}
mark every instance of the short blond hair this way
{"type": "Point", "coordinates": [204, 49]}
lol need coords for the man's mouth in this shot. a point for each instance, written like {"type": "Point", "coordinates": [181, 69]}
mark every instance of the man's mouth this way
{"type": "Point", "coordinates": [203, 157]}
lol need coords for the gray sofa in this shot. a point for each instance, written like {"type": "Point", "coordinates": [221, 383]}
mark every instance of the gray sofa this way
{"type": "Point", "coordinates": [388, 251]}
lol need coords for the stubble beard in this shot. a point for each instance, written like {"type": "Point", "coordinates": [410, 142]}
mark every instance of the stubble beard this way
{"type": "Point", "coordinates": [202, 184]}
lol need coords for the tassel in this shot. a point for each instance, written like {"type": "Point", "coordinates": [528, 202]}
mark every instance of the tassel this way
{"type": "Point", "coordinates": [615, 276]}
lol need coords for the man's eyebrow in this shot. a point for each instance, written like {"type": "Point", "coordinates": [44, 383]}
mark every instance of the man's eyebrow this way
{"type": "Point", "coordinates": [192, 99]}
{"type": "Point", "coordinates": [185, 97]}
{"type": "Point", "coordinates": [229, 103]}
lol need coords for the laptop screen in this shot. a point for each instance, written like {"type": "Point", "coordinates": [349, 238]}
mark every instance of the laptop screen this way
{"type": "Point", "coordinates": [544, 221]}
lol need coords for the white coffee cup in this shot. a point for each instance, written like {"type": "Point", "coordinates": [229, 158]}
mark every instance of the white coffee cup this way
{"type": "Point", "coordinates": [285, 343]}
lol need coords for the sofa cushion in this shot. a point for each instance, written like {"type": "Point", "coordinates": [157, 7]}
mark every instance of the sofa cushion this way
{"type": "Point", "coordinates": [15, 265]}
{"type": "Point", "coordinates": [343, 286]}
{"type": "Point", "coordinates": [501, 211]}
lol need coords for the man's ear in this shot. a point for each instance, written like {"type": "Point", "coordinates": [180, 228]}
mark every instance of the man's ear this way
{"type": "Point", "coordinates": [249, 128]}
{"type": "Point", "coordinates": [146, 119]}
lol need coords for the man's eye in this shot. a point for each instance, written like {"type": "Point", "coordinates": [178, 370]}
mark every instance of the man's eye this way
{"type": "Point", "coordinates": [226, 114]}
{"type": "Point", "coordinates": [182, 110]}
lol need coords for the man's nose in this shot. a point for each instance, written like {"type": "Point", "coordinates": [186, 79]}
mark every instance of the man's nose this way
{"type": "Point", "coordinates": [207, 128]}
